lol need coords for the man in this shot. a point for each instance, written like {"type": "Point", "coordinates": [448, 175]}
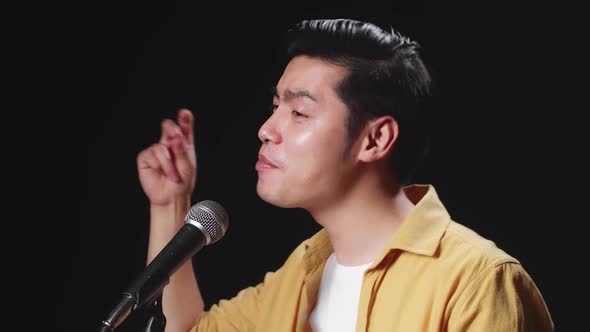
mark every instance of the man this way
{"type": "Point", "coordinates": [342, 142]}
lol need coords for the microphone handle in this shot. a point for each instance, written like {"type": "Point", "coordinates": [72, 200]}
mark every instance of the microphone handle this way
{"type": "Point", "coordinates": [149, 284]}
{"type": "Point", "coordinates": [185, 244]}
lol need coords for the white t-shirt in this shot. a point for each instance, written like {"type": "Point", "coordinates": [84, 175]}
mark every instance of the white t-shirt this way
{"type": "Point", "coordinates": [338, 298]}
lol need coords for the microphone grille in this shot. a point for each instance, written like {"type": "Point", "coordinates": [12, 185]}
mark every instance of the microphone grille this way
{"type": "Point", "coordinates": [212, 216]}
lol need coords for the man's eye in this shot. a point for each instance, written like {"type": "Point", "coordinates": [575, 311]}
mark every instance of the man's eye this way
{"type": "Point", "coordinates": [273, 107]}
{"type": "Point", "coordinates": [299, 115]}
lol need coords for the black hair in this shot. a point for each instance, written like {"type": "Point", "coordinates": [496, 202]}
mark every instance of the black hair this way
{"type": "Point", "coordinates": [386, 76]}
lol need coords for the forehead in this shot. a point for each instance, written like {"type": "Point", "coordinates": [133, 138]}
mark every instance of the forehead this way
{"type": "Point", "coordinates": [311, 74]}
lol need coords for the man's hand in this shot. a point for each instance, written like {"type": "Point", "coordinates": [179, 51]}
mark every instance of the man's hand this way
{"type": "Point", "coordinates": [168, 169]}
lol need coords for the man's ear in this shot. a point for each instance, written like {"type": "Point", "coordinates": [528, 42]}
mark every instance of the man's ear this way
{"type": "Point", "coordinates": [378, 138]}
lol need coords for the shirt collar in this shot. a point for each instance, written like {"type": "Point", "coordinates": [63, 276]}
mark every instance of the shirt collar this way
{"type": "Point", "coordinates": [420, 233]}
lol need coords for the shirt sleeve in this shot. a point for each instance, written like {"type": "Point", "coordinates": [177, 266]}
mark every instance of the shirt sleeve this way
{"type": "Point", "coordinates": [502, 298]}
{"type": "Point", "coordinates": [237, 314]}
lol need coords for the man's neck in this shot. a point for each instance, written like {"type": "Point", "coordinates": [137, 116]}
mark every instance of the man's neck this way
{"type": "Point", "coordinates": [361, 224]}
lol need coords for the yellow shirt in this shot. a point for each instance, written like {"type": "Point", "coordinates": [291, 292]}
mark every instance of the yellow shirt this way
{"type": "Point", "coordinates": [434, 275]}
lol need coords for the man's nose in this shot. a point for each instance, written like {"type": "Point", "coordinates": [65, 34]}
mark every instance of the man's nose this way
{"type": "Point", "coordinates": [269, 130]}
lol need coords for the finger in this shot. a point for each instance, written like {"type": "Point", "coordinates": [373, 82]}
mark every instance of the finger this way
{"type": "Point", "coordinates": [147, 160]}
{"type": "Point", "coordinates": [164, 157]}
{"type": "Point", "coordinates": [186, 123]}
{"type": "Point", "coordinates": [169, 129]}
{"type": "Point", "coordinates": [182, 160]}
{"type": "Point", "coordinates": [178, 147]}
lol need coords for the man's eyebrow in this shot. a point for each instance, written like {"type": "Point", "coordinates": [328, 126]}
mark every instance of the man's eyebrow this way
{"type": "Point", "coordinates": [290, 94]}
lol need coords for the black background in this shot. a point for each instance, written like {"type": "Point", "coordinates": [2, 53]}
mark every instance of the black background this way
{"type": "Point", "coordinates": [87, 84]}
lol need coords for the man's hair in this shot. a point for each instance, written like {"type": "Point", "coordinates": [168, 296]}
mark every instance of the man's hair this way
{"type": "Point", "coordinates": [386, 76]}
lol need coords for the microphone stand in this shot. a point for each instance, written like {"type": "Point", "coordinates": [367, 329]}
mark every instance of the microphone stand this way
{"type": "Point", "coordinates": [157, 320]}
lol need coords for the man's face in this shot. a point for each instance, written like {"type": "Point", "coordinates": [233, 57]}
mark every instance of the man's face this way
{"type": "Point", "coordinates": [305, 137]}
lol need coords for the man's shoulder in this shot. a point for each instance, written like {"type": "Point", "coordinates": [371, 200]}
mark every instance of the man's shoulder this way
{"type": "Point", "coordinates": [465, 247]}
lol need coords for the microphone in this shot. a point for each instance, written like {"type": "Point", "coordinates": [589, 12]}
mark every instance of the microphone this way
{"type": "Point", "coordinates": [205, 223]}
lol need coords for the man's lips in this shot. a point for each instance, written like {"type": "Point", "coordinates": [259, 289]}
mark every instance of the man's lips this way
{"type": "Point", "coordinates": [264, 163]}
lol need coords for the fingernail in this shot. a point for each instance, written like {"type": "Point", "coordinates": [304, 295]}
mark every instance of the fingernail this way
{"type": "Point", "coordinates": [167, 154]}
{"type": "Point", "coordinates": [184, 117]}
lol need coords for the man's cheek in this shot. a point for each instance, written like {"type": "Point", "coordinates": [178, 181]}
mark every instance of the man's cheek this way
{"type": "Point", "coordinates": [304, 139]}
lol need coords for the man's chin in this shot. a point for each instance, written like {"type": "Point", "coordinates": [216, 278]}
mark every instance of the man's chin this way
{"type": "Point", "coordinates": [273, 198]}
